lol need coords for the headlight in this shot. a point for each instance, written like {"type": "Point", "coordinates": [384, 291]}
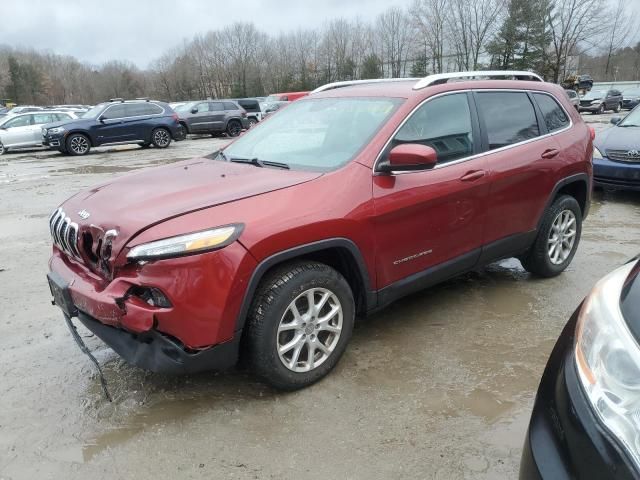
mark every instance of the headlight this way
{"type": "Point", "coordinates": [55, 130]}
{"type": "Point", "coordinates": [596, 102]}
{"type": "Point", "coordinates": [608, 361]}
{"type": "Point", "coordinates": [597, 154]}
{"type": "Point", "coordinates": [196, 242]}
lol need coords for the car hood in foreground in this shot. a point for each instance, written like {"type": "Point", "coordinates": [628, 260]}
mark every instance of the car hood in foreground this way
{"type": "Point", "coordinates": [134, 202]}
{"type": "Point", "coordinates": [619, 138]}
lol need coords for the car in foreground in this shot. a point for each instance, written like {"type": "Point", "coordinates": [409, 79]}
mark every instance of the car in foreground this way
{"type": "Point", "coordinates": [573, 98]}
{"type": "Point", "coordinates": [116, 122]}
{"type": "Point", "coordinates": [337, 206]}
{"type": "Point", "coordinates": [616, 154]}
{"type": "Point", "coordinates": [24, 130]}
{"type": "Point", "coordinates": [631, 98]}
{"type": "Point", "coordinates": [214, 117]}
{"type": "Point", "coordinates": [599, 101]}
{"type": "Point", "coordinates": [585, 422]}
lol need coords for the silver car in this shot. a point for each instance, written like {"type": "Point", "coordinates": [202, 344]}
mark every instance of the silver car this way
{"type": "Point", "coordinates": [25, 129]}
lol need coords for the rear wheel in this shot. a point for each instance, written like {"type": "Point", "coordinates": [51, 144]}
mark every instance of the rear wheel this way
{"type": "Point", "coordinates": [557, 239]}
{"type": "Point", "coordinates": [299, 325]}
{"type": "Point", "coordinates": [78, 144]}
{"type": "Point", "coordinates": [3, 150]}
{"type": "Point", "coordinates": [252, 121]}
{"type": "Point", "coordinates": [234, 128]}
{"type": "Point", "coordinates": [161, 138]}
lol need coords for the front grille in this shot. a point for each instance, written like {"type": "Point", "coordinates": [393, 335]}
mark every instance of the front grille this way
{"type": "Point", "coordinates": [585, 103]}
{"type": "Point", "coordinates": [64, 233]}
{"type": "Point", "coordinates": [628, 156]}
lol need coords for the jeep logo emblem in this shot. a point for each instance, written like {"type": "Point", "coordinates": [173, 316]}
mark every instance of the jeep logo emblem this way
{"type": "Point", "coordinates": [84, 214]}
{"type": "Point", "coordinates": [633, 153]}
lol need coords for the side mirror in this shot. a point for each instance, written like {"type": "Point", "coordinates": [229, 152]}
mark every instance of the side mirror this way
{"type": "Point", "coordinates": [410, 156]}
{"type": "Point", "coordinates": [615, 119]}
{"type": "Point", "coordinates": [102, 118]}
{"type": "Point", "coordinates": [194, 110]}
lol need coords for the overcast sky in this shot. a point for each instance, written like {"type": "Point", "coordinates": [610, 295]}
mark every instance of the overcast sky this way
{"type": "Point", "coordinates": [141, 30]}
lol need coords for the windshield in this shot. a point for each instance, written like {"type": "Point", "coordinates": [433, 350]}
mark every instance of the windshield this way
{"type": "Point", "coordinates": [320, 134]}
{"type": "Point", "coordinates": [593, 94]}
{"type": "Point", "coordinates": [631, 120]}
{"type": "Point", "coordinates": [185, 107]}
{"type": "Point", "coordinates": [632, 93]}
{"type": "Point", "coordinates": [94, 112]}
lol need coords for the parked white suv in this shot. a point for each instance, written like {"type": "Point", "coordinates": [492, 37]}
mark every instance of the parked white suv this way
{"type": "Point", "coordinates": [25, 130]}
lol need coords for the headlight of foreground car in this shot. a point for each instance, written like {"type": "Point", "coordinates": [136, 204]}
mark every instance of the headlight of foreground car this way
{"type": "Point", "coordinates": [608, 361]}
{"type": "Point", "coordinates": [55, 130]}
{"type": "Point", "coordinates": [191, 243]}
{"type": "Point", "coordinates": [596, 153]}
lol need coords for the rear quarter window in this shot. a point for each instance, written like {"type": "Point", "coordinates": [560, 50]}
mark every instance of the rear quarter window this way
{"type": "Point", "coordinates": [508, 117]}
{"type": "Point", "coordinates": [230, 106]}
{"type": "Point", "coordinates": [554, 116]}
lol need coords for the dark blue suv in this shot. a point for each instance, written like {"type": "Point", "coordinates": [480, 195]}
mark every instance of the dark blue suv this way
{"type": "Point", "coordinates": [143, 122]}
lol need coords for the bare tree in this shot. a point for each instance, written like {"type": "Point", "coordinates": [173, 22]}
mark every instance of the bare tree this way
{"type": "Point", "coordinates": [618, 35]}
{"type": "Point", "coordinates": [393, 26]}
{"type": "Point", "coordinates": [430, 18]}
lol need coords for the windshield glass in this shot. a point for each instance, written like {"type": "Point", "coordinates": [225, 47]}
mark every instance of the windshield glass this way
{"type": "Point", "coordinates": [594, 94]}
{"type": "Point", "coordinates": [631, 120]}
{"type": "Point", "coordinates": [94, 112]}
{"type": "Point", "coordinates": [320, 134]}
{"type": "Point", "coordinates": [186, 107]}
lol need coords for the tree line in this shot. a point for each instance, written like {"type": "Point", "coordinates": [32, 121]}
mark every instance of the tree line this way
{"type": "Point", "coordinates": [552, 37]}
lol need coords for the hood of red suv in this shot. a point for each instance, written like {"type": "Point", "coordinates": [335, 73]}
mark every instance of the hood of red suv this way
{"type": "Point", "coordinates": [134, 202]}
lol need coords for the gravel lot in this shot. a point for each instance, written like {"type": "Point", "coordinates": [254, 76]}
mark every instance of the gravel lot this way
{"type": "Point", "coordinates": [439, 385]}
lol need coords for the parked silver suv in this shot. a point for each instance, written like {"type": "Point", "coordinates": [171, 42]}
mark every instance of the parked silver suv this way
{"type": "Point", "coordinates": [213, 116]}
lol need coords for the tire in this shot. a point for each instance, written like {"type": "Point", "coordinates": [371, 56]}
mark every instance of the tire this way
{"type": "Point", "coordinates": [289, 285]}
{"type": "Point", "coordinates": [540, 260]}
{"type": "Point", "coordinates": [617, 109]}
{"type": "Point", "coordinates": [601, 109]}
{"type": "Point", "coordinates": [3, 150]}
{"type": "Point", "coordinates": [161, 137]}
{"type": "Point", "coordinates": [78, 144]}
{"type": "Point", "coordinates": [252, 121]}
{"type": "Point", "coordinates": [234, 128]}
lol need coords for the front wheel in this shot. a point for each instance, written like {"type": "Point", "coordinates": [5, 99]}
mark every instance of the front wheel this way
{"type": "Point", "coordinates": [252, 121]}
{"type": "Point", "coordinates": [557, 239]}
{"type": "Point", "coordinates": [78, 144]}
{"type": "Point", "coordinates": [161, 138]}
{"type": "Point", "coordinates": [299, 325]}
{"type": "Point", "coordinates": [618, 107]}
{"type": "Point", "coordinates": [601, 109]}
{"type": "Point", "coordinates": [3, 150]}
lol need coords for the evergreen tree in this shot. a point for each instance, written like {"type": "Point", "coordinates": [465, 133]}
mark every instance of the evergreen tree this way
{"type": "Point", "coordinates": [371, 67]}
{"type": "Point", "coordinates": [419, 67]}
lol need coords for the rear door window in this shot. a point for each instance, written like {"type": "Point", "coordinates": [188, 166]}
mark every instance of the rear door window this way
{"type": "Point", "coordinates": [508, 117]}
{"type": "Point", "coordinates": [40, 118]}
{"type": "Point", "coordinates": [554, 116]}
{"type": "Point", "coordinates": [443, 124]}
{"type": "Point", "coordinates": [216, 107]}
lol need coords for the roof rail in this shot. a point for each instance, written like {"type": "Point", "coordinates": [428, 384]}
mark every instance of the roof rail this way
{"type": "Point", "coordinates": [121, 100]}
{"type": "Point", "coordinates": [348, 83]}
{"type": "Point", "coordinates": [440, 78]}
{"type": "Point", "coordinates": [146, 99]}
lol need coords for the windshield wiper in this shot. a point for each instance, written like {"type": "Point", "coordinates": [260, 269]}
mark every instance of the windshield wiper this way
{"type": "Point", "coordinates": [629, 125]}
{"type": "Point", "coordinates": [259, 163]}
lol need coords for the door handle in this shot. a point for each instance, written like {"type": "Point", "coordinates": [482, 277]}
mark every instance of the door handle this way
{"type": "Point", "coordinates": [552, 152]}
{"type": "Point", "coordinates": [472, 176]}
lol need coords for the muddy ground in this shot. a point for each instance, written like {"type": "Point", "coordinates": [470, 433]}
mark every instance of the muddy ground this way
{"type": "Point", "coordinates": [439, 385]}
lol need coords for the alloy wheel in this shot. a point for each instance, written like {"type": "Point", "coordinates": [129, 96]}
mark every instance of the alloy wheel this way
{"type": "Point", "coordinates": [161, 138]}
{"type": "Point", "coordinates": [234, 129]}
{"type": "Point", "coordinates": [562, 237]}
{"type": "Point", "coordinates": [2, 149]}
{"type": "Point", "coordinates": [79, 145]}
{"type": "Point", "coordinates": [309, 330]}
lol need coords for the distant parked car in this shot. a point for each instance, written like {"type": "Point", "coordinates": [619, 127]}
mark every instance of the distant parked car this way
{"type": "Point", "coordinates": [116, 122]}
{"type": "Point", "coordinates": [286, 97]}
{"type": "Point", "coordinates": [598, 101]}
{"type": "Point", "coordinates": [269, 108]}
{"type": "Point", "coordinates": [585, 423]}
{"type": "Point", "coordinates": [573, 98]}
{"type": "Point", "coordinates": [214, 117]}
{"type": "Point", "coordinates": [616, 154]}
{"type": "Point", "coordinates": [24, 109]}
{"type": "Point", "coordinates": [631, 98]}
{"type": "Point", "coordinates": [24, 130]}
{"type": "Point", "coordinates": [175, 105]}
{"type": "Point", "coordinates": [252, 107]}
{"type": "Point", "coordinates": [585, 82]}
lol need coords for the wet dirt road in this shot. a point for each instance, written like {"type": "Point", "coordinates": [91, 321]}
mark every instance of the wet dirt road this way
{"type": "Point", "coordinates": [439, 385]}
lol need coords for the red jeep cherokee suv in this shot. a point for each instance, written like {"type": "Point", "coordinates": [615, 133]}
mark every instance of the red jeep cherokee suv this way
{"type": "Point", "coordinates": [337, 206]}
